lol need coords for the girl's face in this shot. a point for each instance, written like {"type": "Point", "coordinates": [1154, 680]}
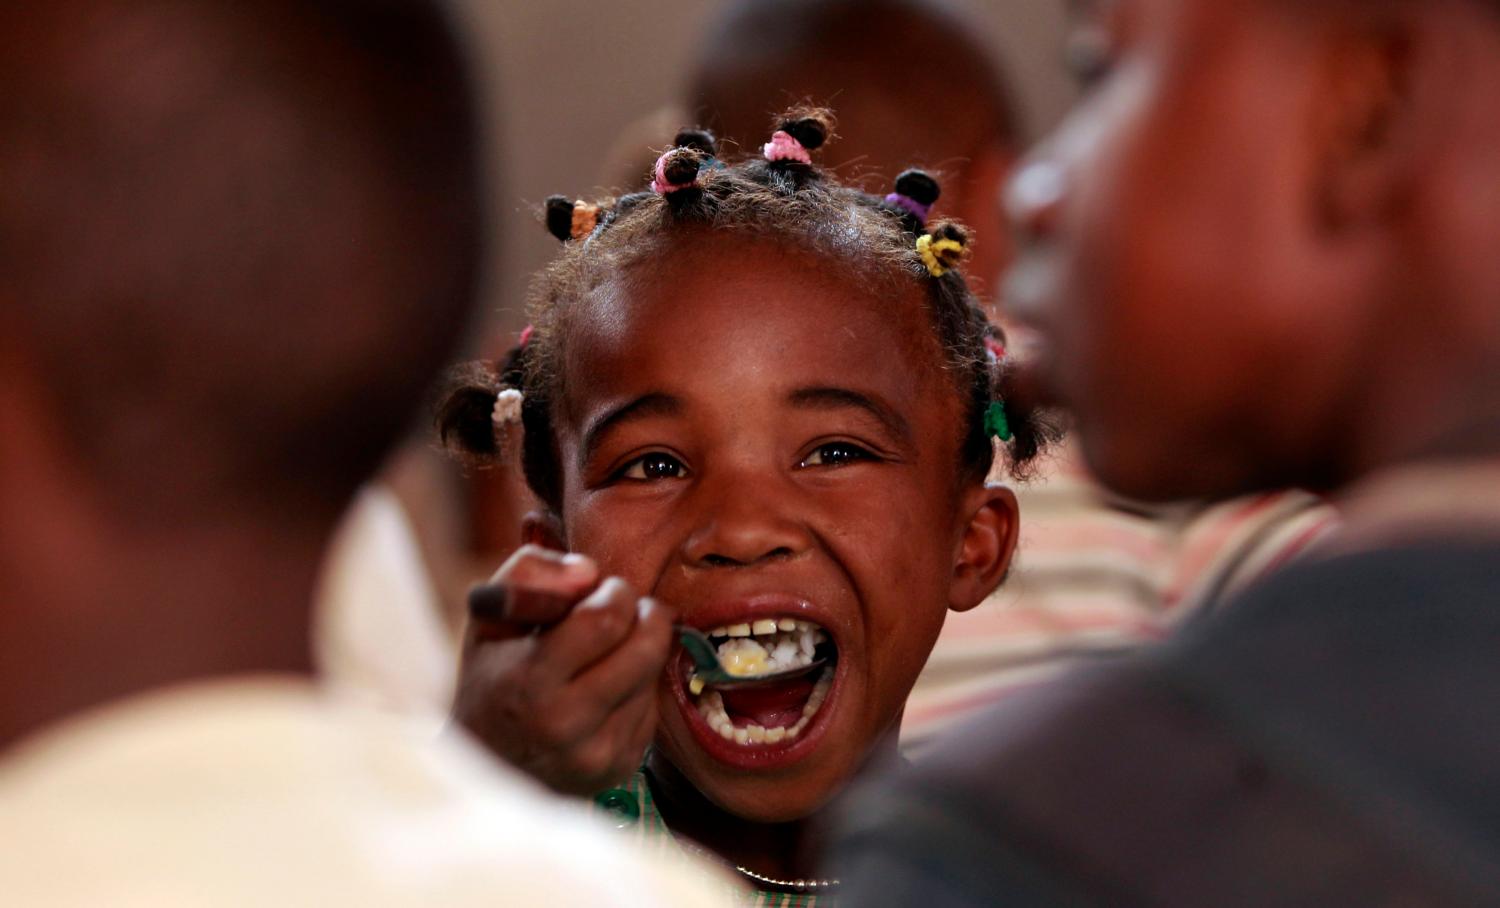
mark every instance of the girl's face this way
{"type": "Point", "coordinates": [753, 441]}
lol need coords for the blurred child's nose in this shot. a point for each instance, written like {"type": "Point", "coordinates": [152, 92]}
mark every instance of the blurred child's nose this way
{"type": "Point", "coordinates": [743, 523]}
{"type": "Point", "coordinates": [1033, 197]}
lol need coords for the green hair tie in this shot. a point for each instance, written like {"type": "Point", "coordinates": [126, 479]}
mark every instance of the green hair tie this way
{"type": "Point", "coordinates": [996, 424]}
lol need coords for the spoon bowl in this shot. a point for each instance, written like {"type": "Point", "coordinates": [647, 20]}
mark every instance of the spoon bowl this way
{"type": "Point", "coordinates": [708, 668]}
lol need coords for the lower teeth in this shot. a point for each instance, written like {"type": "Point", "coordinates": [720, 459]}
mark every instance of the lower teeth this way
{"type": "Point", "coordinates": [711, 707]}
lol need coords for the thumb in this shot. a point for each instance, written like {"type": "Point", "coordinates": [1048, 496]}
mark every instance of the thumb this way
{"type": "Point", "coordinates": [535, 586]}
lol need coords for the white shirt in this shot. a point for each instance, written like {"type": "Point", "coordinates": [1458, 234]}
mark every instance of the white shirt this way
{"type": "Point", "coordinates": [268, 792]}
{"type": "Point", "coordinates": [378, 633]}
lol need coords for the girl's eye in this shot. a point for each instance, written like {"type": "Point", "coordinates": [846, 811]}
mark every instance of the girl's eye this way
{"type": "Point", "coordinates": [653, 467]}
{"type": "Point", "coordinates": [836, 454]}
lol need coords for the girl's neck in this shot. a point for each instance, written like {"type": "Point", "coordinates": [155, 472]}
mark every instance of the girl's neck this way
{"type": "Point", "coordinates": [784, 851]}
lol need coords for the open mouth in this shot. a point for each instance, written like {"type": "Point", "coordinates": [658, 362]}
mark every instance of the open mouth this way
{"type": "Point", "coordinates": [765, 716]}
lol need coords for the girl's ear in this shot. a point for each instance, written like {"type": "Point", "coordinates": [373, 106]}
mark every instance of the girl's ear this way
{"type": "Point", "coordinates": [987, 545]}
{"type": "Point", "coordinates": [543, 528]}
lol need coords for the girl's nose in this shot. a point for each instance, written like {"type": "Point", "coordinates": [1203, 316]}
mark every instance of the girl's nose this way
{"type": "Point", "coordinates": [744, 525]}
{"type": "Point", "coordinates": [1034, 196]}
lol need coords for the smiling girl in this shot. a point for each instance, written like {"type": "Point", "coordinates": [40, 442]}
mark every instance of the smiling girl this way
{"type": "Point", "coordinates": [760, 404]}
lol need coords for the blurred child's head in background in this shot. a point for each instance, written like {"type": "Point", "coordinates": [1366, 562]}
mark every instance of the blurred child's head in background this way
{"type": "Point", "coordinates": [914, 82]}
{"type": "Point", "coordinates": [237, 239]}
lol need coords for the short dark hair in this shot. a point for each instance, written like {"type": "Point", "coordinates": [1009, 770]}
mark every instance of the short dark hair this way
{"type": "Point", "coordinates": [912, 77]}
{"type": "Point", "coordinates": [237, 237]}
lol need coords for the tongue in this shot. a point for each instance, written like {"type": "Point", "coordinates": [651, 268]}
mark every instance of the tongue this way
{"type": "Point", "coordinates": [770, 706]}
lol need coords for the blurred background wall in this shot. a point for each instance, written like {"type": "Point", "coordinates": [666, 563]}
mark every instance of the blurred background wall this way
{"type": "Point", "coordinates": [567, 76]}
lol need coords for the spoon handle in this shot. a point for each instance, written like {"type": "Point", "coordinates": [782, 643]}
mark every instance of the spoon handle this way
{"type": "Point", "coordinates": [704, 654]}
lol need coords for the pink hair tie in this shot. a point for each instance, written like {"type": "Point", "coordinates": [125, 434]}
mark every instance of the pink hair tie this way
{"type": "Point", "coordinates": [783, 147]}
{"type": "Point", "coordinates": [660, 184]}
{"type": "Point", "coordinates": [526, 335]}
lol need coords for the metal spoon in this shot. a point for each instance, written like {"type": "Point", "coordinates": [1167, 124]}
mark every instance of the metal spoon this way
{"type": "Point", "coordinates": [708, 668]}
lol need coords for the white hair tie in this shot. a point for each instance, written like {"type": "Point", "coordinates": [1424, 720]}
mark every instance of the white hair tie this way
{"type": "Point", "coordinates": [507, 410]}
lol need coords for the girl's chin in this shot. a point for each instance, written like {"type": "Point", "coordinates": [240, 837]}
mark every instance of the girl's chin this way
{"type": "Point", "coordinates": [761, 799]}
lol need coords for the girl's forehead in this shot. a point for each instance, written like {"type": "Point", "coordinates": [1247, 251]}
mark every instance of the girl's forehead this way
{"type": "Point", "coordinates": [754, 294]}
{"type": "Point", "coordinates": [756, 315]}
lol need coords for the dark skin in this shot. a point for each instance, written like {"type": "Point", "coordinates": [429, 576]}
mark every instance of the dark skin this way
{"type": "Point", "coordinates": [706, 458]}
{"type": "Point", "coordinates": [209, 594]}
{"type": "Point", "coordinates": [222, 180]}
{"type": "Point", "coordinates": [1251, 251]}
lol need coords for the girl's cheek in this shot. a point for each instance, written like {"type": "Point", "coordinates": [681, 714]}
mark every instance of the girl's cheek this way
{"type": "Point", "coordinates": [621, 536]}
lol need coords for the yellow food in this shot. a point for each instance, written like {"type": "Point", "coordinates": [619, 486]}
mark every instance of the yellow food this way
{"type": "Point", "coordinates": [742, 662]}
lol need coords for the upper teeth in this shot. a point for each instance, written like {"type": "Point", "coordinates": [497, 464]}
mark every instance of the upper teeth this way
{"type": "Point", "coordinates": [762, 626]}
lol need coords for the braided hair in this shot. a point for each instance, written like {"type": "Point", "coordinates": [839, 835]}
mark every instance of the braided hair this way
{"type": "Point", "coordinates": [780, 195]}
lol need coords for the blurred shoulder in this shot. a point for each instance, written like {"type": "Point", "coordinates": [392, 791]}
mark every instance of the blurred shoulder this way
{"type": "Point", "coordinates": [1195, 773]}
{"type": "Point", "coordinates": [267, 792]}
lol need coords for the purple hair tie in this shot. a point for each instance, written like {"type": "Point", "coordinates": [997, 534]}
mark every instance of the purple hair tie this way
{"type": "Point", "coordinates": [917, 209]}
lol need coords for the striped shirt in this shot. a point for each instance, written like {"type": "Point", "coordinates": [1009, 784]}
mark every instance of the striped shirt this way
{"type": "Point", "coordinates": [632, 810]}
{"type": "Point", "coordinates": [1095, 576]}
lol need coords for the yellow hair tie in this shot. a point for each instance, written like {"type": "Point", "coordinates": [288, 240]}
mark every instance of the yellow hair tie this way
{"type": "Point", "coordinates": [933, 253]}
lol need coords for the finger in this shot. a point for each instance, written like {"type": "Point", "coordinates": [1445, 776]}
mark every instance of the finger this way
{"type": "Point", "coordinates": [592, 630]}
{"type": "Point", "coordinates": [624, 680]}
{"type": "Point", "coordinates": [579, 716]}
{"type": "Point", "coordinates": [636, 729]}
{"type": "Point", "coordinates": [491, 609]}
{"type": "Point", "coordinates": [632, 667]}
{"type": "Point", "coordinates": [615, 750]}
{"type": "Point", "coordinates": [487, 602]}
{"type": "Point", "coordinates": [543, 569]}
{"type": "Point", "coordinates": [645, 726]}
{"type": "Point", "coordinates": [535, 586]}
{"type": "Point", "coordinates": [487, 681]}
{"type": "Point", "coordinates": [522, 609]}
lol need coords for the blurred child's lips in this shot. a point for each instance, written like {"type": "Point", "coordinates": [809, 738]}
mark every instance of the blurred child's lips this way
{"type": "Point", "coordinates": [1026, 291]}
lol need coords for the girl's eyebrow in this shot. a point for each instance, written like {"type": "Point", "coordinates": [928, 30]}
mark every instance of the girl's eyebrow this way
{"type": "Point", "coordinates": [828, 398]}
{"type": "Point", "coordinates": [654, 404]}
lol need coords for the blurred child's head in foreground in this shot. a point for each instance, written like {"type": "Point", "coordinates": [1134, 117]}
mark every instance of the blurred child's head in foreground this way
{"type": "Point", "coordinates": [1261, 247]}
